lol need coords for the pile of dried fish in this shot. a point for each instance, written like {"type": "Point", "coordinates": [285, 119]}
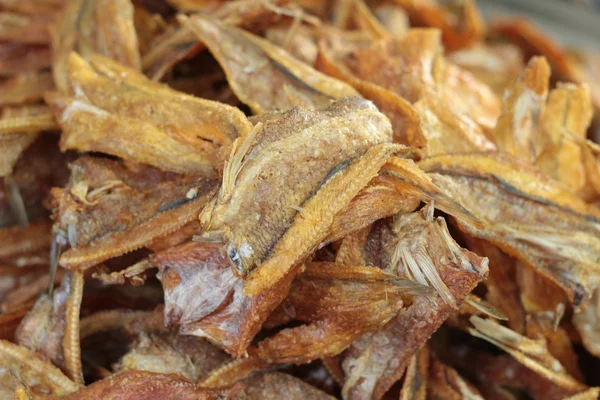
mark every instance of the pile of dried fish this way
{"type": "Point", "coordinates": [269, 199]}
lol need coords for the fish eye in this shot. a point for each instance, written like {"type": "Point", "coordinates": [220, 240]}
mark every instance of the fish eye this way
{"type": "Point", "coordinates": [236, 260]}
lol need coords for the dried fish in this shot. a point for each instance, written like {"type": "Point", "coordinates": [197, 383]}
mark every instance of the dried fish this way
{"type": "Point", "coordinates": [569, 108]}
{"type": "Point", "coordinates": [531, 353]}
{"type": "Point", "coordinates": [539, 223]}
{"type": "Point", "coordinates": [110, 208]}
{"type": "Point", "coordinates": [113, 98]}
{"type": "Point", "coordinates": [255, 229]}
{"type": "Point", "coordinates": [272, 241]}
{"type": "Point", "coordinates": [42, 330]}
{"type": "Point", "coordinates": [71, 343]}
{"type": "Point", "coordinates": [264, 67]}
{"type": "Point", "coordinates": [376, 361]}
{"type": "Point", "coordinates": [448, 131]}
{"type": "Point", "coordinates": [35, 372]}
{"type": "Point", "coordinates": [169, 353]}
{"type": "Point", "coordinates": [25, 88]}
{"type": "Point", "coordinates": [517, 130]}
{"type": "Point", "coordinates": [275, 385]}
{"type": "Point", "coordinates": [405, 121]}
{"type": "Point", "coordinates": [104, 26]}
{"type": "Point", "coordinates": [415, 382]}
{"type": "Point", "coordinates": [17, 142]}
{"type": "Point", "coordinates": [339, 304]}
{"type": "Point", "coordinates": [496, 64]}
{"type": "Point", "coordinates": [445, 383]}
{"type": "Point", "coordinates": [133, 384]}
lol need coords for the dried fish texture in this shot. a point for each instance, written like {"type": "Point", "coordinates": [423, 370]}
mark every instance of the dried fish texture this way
{"type": "Point", "coordinates": [539, 295]}
{"type": "Point", "coordinates": [496, 64]}
{"type": "Point", "coordinates": [517, 131]}
{"type": "Point", "coordinates": [415, 64]}
{"type": "Point", "coordinates": [293, 150]}
{"type": "Point", "coordinates": [13, 145]}
{"type": "Point", "coordinates": [236, 370]}
{"type": "Point", "coordinates": [168, 353]}
{"type": "Point", "coordinates": [43, 328]}
{"type": "Point", "coordinates": [262, 75]}
{"type": "Point", "coordinates": [405, 176]}
{"type": "Point", "coordinates": [569, 109]}
{"type": "Point", "coordinates": [222, 313]}
{"type": "Point", "coordinates": [93, 26]}
{"type": "Point", "coordinates": [587, 322]}
{"type": "Point", "coordinates": [587, 64]}
{"type": "Point", "coordinates": [34, 371]}
{"type": "Point", "coordinates": [24, 193]}
{"type": "Point", "coordinates": [71, 341]}
{"type": "Point", "coordinates": [445, 383]}
{"type": "Point", "coordinates": [426, 253]}
{"type": "Point", "coordinates": [546, 325]}
{"type": "Point", "coordinates": [148, 385]}
{"type": "Point", "coordinates": [448, 131]}
{"type": "Point", "coordinates": [178, 43]}
{"type": "Point", "coordinates": [468, 95]}
{"type": "Point", "coordinates": [14, 277]}
{"type": "Point", "coordinates": [275, 385]}
{"type": "Point", "coordinates": [356, 13]}
{"type": "Point", "coordinates": [306, 150]}
{"type": "Point", "coordinates": [149, 26]}
{"type": "Point", "coordinates": [501, 284]}
{"type": "Point", "coordinates": [530, 216]}
{"type": "Point", "coordinates": [104, 321]}
{"type": "Point", "coordinates": [112, 207]}
{"type": "Point", "coordinates": [381, 198]}
{"type": "Point", "coordinates": [416, 378]}
{"type": "Point", "coordinates": [174, 45]}
{"type": "Point", "coordinates": [334, 48]}
{"type": "Point", "coordinates": [300, 43]}
{"type": "Point", "coordinates": [529, 352]}
{"type": "Point", "coordinates": [25, 88]}
{"type": "Point", "coordinates": [497, 375]}
{"type": "Point", "coordinates": [154, 355]}
{"type": "Point", "coordinates": [135, 275]}
{"type": "Point", "coordinates": [22, 298]}
{"type": "Point", "coordinates": [189, 269]}
{"type": "Point", "coordinates": [338, 303]}
{"type": "Point", "coordinates": [404, 66]}
{"type": "Point", "coordinates": [113, 109]}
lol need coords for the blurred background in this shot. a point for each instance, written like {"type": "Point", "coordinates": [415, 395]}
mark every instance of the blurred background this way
{"type": "Point", "coordinates": [569, 22]}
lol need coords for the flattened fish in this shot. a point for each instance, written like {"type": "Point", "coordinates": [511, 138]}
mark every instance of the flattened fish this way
{"type": "Point", "coordinates": [518, 128]}
{"type": "Point", "coordinates": [266, 228]}
{"type": "Point", "coordinates": [530, 216]}
{"type": "Point", "coordinates": [94, 26]}
{"type": "Point", "coordinates": [531, 353]}
{"type": "Point", "coordinates": [116, 110]}
{"type": "Point", "coordinates": [338, 303]}
{"type": "Point", "coordinates": [264, 76]}
{"type": "Point", "coordinates": [425, 252]}
{"type": "Point", "coordinates": [110, 208]}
